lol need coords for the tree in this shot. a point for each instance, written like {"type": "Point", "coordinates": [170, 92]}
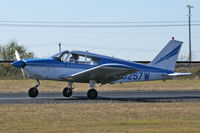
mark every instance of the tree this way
{"type": "Point", "coordinates": [7, 52]}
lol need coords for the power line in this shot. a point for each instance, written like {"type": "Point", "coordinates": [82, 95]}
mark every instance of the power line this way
{"type": "Point", "coordinates": [91, 22]}
{"type": "Point", "coordinates": [94, 26]}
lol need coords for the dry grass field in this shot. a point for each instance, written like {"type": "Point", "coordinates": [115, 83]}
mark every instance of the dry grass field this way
{"type": "Point", "coordinates": [24, 85]}
{"type": "Point", "coordinates": [99, 118]}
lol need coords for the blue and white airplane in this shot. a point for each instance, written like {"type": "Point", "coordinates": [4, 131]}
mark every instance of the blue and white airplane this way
{"type": "Point", "coordinates": [86, 67]}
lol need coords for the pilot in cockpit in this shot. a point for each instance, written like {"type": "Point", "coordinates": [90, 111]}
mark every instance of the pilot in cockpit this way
{"type": "Point", "coordinates": [74, 58]}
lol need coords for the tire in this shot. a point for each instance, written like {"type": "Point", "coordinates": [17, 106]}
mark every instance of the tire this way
{"type": "Point", "coordinates": [67, 92]}
{"type": "Point", "coordinates": [33, 92]}
{"type": "Point", "coordinates": [92, 94]}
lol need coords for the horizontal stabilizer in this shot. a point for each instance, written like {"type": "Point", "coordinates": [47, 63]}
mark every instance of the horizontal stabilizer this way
{"type": "Point", "coordinates": [177, 74]}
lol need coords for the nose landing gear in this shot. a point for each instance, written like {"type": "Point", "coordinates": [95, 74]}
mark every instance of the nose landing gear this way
{"type": "Point", "coordinates": [33, 92]}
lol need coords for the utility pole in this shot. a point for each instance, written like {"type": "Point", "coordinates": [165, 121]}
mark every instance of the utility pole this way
{"type": "Point", "coordinates": [189, 24]}
{"type": "Point", "coordinates": [59, 47]}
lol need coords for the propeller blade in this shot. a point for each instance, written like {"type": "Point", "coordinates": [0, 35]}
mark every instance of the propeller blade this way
{"type": "Point", "coordinates": [23, 73]}
{"type": "Point", "coordinates": [18, 59]}
{"type": "Point", "coordinates": [17, 55]}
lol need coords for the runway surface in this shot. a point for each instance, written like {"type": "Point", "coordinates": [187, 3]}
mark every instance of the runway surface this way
{"type": "Point", "coordinates": [104, 97]}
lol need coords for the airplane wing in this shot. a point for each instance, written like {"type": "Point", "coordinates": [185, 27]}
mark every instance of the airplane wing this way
{"type": "Point", "coordinates": [105, 73]}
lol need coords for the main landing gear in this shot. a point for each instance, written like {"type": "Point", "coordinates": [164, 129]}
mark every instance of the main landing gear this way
{"type": "Point", "coordinates": [67, 92]}
{"type": "Point", "coordinates": [33, 92]}
{"type": "Point", "coordinates": [92, 93]}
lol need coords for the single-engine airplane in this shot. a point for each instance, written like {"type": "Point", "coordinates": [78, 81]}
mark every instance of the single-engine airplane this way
{"type": "Point", "coordinates": [86, 67]}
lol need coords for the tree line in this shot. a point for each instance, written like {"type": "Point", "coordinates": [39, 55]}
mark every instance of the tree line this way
{"type": "Point", "coordinates": [7, 52]}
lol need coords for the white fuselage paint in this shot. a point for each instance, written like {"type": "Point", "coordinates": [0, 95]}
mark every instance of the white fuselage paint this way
{"type": "Point", "coordinates": [48, 73]}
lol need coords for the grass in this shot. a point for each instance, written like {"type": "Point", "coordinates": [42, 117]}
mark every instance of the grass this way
{"type": "Point", "coordinates": [24, 85]}
{"type": "Point", "coordinates": [93, 118]}
{"type": "Point", "coordinates": [100, 117]}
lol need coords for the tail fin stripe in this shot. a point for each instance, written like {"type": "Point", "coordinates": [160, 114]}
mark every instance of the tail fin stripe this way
{"type": "Point", "coordinates": [169, 55]}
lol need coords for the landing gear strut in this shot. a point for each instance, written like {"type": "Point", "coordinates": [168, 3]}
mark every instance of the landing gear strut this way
{"type": "Point", "coordinates": [33, 92]}
{"type": "Point", "coordinates": [67, 92]}
{"type": "Point", "coordinates": [92, 93]}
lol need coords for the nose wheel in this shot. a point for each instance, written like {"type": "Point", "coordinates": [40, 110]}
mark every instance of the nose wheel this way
{"type": "Point", "coordinates": [33, 92]}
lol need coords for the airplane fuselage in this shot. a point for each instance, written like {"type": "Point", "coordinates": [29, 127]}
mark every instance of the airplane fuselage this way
{"type": "Point", "coordinates": [50, 69]}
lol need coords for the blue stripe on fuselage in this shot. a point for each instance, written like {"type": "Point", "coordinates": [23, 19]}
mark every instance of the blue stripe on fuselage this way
{"type": "Point", "coordinates": [55, 63]}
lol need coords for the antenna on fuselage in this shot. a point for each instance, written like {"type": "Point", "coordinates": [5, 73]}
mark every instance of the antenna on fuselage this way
{"type": "Point", "coordinates": [59, 47]}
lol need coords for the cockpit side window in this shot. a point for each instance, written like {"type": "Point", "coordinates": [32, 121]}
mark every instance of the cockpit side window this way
{"type": "Point", "coordinates": [94, 61]}
{"type": "Point", "coordinates": [82, 59]}
{"type": "Point", "coordinates": [73, 58]}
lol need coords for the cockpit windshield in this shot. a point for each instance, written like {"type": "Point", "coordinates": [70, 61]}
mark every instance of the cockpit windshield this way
{"type": "Point", "coordinates": [61, 56]}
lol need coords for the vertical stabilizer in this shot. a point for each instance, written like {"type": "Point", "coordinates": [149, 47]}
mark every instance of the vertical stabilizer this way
{"type": "Point", "coordinates": [166, 59]}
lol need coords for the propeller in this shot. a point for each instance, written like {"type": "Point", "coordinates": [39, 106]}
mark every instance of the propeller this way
{"type": "Point", "coordinates": [19, 63]}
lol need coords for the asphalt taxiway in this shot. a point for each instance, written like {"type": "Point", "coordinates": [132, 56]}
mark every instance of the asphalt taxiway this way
{"type": "Point", "coordinates": [104, 97]}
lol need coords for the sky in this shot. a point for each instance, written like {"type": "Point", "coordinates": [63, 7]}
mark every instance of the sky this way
{"type": "Point", "coordinates": [132, 43]}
